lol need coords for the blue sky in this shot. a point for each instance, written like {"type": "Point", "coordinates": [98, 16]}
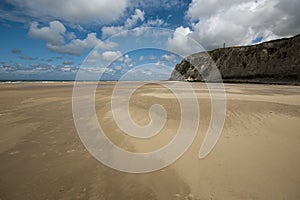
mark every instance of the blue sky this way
{"type": "Point", "coordinates": [53, 40]}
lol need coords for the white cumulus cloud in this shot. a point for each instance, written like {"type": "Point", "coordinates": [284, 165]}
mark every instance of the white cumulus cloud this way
{"type": "Point", "coordinates": [78, 46]}
{"type": "Point", "coordinates": [240, 22]}
{"type": "Point", "coordinates": [181, 44]}
{"type": "Point", "coordinates": [129, 23]}
{"type": "Point", "coordinates": [55, 34]}
{"type": "Point", "coordinates": [110, 56]}
{"type": "Point", "coordinates": [138, 15]}
{"type": "Point", "coordinates": [111, 30]}
{"type": "Point", "coordinates": [168, 57]}
{"type": "Point", "coordinates": [72, 11]}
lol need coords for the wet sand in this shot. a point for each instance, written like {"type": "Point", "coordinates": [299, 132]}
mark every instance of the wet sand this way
{"type": "Point", "coordinates": [256, 157]}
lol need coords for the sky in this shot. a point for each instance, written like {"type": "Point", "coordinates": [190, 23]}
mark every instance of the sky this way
{"type": "Point", "coordinates": [129, 39]}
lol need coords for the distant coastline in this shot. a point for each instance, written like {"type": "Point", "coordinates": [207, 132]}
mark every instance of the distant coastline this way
{"type": "Point", "coordinates": [51, 81]}
{"type": "Point", "coordinates": [226, 81]}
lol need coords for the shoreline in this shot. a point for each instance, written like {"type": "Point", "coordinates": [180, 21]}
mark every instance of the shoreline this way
{"type": "Point", "coordinates": [225, 81]}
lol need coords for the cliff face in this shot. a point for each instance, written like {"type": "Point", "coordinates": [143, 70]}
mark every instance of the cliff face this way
{"type": "Point", "coordinates": [274, 61]}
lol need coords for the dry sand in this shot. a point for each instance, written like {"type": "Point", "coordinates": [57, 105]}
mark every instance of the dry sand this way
{"type": "Point", "coordinates": [256, 157]}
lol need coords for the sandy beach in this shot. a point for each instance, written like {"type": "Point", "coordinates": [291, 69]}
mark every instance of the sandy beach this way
{"type": "Point", "coordinates": [256, 157]}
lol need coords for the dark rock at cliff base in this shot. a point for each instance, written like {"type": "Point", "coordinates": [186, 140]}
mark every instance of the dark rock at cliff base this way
{"type": "Point", "coordinates": [275, 61]}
